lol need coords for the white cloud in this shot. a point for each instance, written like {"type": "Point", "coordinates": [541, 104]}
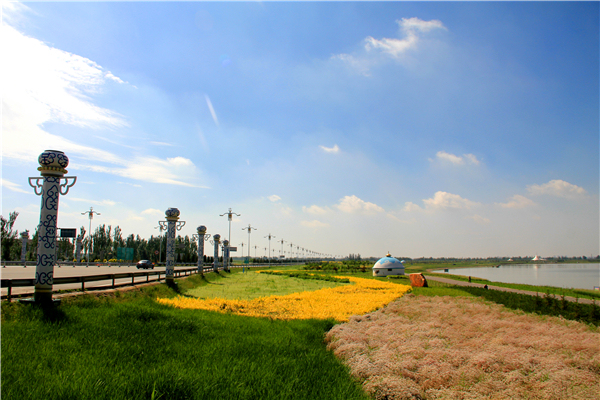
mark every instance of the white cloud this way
{"type": "Point", "coordinates": [445, 200]}
{"type": "Point", "coordinates": [471, 159]}
{"type": "Point", "coordinates": [456, 160]}
{"type": "Point", "coordinates": [314, 210]}
{"type": "Point", "coordinates": [416, 24]}
{"type": "Point", "coordinates": [162, 144]}
{"type": "Point", "coordinates": [180, 161]}
{"type": "Point", "coordinates": [354, 205]}
{"type": "Point", "coordinates": [14, 187]}
{"type": "Point", "coordinates": [212, 110]}
{"type": "Point", "coordinates": [274, 198]}
{"type": "Point", "coordinates": [479, 219]}
{"type": "Point", "coordinates": [286, 210]}
{"type": "Point", "coordinates": [314, 224]}
{"type": "Point", "coordinates": [334, 149]}
{"type": "Point", "coordinates": [558, 188]}
{"type": "Point", "coordinates": [412, 30]}
{"type": "Point", "coordinates": [518, 201]}
{"type": "Point", "coordinates": [110, 76]}
{"type": "Point", "coordinates": [175, 171]}
{"type": "Point", "coordinates": [411, 27]}
{"type": "Point", "coordinates": [95, 202]}
{"type": "Point", "coordinates": [410, 206]}
{"type": "Point", "coordinates": [152, 211]}
{"type": "Point", "coordinates": [42, 84]}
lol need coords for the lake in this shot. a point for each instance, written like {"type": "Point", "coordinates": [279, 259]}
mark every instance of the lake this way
{"type": "Point", "coordinates": [580, 276]}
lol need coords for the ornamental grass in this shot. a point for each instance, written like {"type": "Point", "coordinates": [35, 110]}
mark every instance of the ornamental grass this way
{"type": "Point", "coordinates": [464, 348]}
{"type": "Point", "coordinates": [339, 303]}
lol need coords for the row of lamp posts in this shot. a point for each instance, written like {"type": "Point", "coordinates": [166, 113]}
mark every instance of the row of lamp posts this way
{"type": "Point", "coordinates": [53, 183]}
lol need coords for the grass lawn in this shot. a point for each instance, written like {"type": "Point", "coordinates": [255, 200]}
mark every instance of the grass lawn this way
{"type": "Point", "coordinates": [580, 293]}
{"type": "Point", "coordinates": [250, 285]}
{"type": "Point", "coordinates": [130, 347]}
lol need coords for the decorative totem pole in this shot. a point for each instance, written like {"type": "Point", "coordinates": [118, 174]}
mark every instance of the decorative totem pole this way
{"type": "Point", "coordinates": [172, 224]}
{"type": "Point", "coordinates": [49, 186]}
{"type": "Point", "coordinates": [216, 241]}
{"type": "Point", "coordinates": [226, 255]}
{"type": "Point", "coordinates": [79, 246]}
{"type": "Point", "coordinates": [24, 240]}
{"type": "Point", "coordinates": [201, 236]}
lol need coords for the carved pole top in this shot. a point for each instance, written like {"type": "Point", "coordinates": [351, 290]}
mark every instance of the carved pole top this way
{"type": "Point", "coordinates": [172, 214]}
{"type": "Point", "coordinates": [53, 163]}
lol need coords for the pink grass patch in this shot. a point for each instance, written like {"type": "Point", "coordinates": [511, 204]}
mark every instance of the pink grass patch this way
{"type": "Point", "coordinates": [465, 348]}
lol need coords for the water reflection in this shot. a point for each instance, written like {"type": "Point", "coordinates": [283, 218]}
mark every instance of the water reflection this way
{"type": "Point", "coordinates": [583, 276]}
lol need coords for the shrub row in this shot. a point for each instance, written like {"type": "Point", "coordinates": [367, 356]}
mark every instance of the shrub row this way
{"type": "Point", "coordinates": [543, 305]}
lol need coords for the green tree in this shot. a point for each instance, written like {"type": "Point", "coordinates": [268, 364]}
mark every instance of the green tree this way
{"type": "Point", "coordinates": [8, 237]}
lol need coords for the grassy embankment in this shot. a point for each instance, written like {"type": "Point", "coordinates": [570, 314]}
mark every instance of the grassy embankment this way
{"type": "Point", "coordinates": [130, 347]}
{"type": "Point", "coordinates": [544, 304]}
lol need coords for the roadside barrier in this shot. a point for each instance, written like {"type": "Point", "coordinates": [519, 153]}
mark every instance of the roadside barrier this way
{"type": "Point", "coordinates": [14, 283]}
{"type": "Point", "coordinates": [159, 275]}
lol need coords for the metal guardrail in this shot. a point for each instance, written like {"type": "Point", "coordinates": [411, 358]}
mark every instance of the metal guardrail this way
{"type": "Point", "coordinates": [30, 282]}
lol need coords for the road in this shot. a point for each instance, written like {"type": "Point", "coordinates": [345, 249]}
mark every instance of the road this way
{"type": "Point", "coordinates": [20, 272]}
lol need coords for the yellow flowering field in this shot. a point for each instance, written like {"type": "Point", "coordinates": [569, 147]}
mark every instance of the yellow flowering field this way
{"type": "Point", "coordinates": [339, 303]}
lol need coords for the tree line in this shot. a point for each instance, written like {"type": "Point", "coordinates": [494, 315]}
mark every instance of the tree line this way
{"type": "Point", "coordinates": [102, 245]}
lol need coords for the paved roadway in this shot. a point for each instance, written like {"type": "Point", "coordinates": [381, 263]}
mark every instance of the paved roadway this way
{"type": "Point", "coordinates": [503, 289]}
{"type": "Point", "coordinates": [20, 272]}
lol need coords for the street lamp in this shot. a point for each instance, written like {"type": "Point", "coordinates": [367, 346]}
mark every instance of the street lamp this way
{"type": "Point", "coordinates": [269, 236]}
{"type": "Point", "coordinates": [160, 228]}
{"type": "Point", "coordinates": [282, 253]}
{"type": "Point", "coordinates": [249, 228]}
{"type": "Point", "coordinates": [91, 215]}
{"type": "Point", "coordinates": [230, 215]}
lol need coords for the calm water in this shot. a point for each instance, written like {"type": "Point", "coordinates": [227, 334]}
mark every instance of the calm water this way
{"type": "Point", "coordinates": [581, 276]}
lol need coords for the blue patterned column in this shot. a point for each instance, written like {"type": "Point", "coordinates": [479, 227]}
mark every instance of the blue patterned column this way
{"type": "Point", "coordinates": [24, 240]}
{"type": "Point", "coordinates": [217, 241]}
{"type": "Point", "coordinates": [79, 246]}
{"type": "Point", "coordinates": [52, 168]}
{"type": "Point", "coordinates": [226, 255]}
{"type": "Point", "coordinates": [172, 217]}
{"type": "Point", "coordinates": [201, 237]}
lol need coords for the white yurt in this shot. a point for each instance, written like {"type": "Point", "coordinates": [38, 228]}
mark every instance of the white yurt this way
{"type": "Point", "coordinates": [388, 265]}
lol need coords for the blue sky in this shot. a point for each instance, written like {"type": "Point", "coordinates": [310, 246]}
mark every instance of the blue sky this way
{"type": "Point", "coordinates": [419, 128]}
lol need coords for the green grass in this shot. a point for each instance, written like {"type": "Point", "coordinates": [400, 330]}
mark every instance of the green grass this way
{"type": "Point", "coordinates": [581, 293]}
{"type": "Point", "coordinates": [543, 305]}
{"type": "Point", "coordinates": [130, 347]}
{"type": "Point", "coordinates": [250, 285]}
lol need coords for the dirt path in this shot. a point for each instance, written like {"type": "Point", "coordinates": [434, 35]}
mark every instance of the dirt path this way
{"type": "Point", "coordinates": [503, 289]}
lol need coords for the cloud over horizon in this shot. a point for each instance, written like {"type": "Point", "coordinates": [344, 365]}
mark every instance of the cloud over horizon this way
{"type": "Point", "coordinates": [558, 188]}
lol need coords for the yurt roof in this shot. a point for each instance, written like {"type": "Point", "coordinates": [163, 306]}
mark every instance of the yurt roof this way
{"type": "Point", "coordinates": [388, 262]}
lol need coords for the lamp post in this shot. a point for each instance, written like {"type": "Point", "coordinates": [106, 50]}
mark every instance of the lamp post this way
{"type": "Point", "coordinates": [226, 255]}
{"type": "Point", "coordinates": [79, 246]}
{"type": "Point", "coordinates": [249, 228]}
{"type": "Point", "coordinates": [230, 215]}
{"type": "Point", "coordinates": [201, 236]}
{"type": "Point", "coordinates": [216, 241]}
{"type": "Point", "coordinates": [91, 215]}
{"type": "Point", "coordinates": [269, 236]}
{"type": "Point", "coordinates": [171, 224]}
{"type": "Point", "coordinates": [160, 228]}
{"type": "Point", "coordinates": [49, 186]}
{"type": "Point", "coordinates": [24, 240]}
{"type": "Point", "coordinates": [282, 242]}
{"type": "Point", "coordinates": [291, 251]}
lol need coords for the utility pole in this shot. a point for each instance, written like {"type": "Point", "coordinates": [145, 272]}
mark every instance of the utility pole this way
{"type": "Point", "coordinates": [91, 215]}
